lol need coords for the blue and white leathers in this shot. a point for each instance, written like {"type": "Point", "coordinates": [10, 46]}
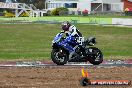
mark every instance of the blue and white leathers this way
{"type": "Point", "coordinates": [66, 43]}
{"type": "Point", "coordinates": [71, 40]}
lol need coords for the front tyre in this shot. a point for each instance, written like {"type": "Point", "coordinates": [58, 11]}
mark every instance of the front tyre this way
{"type": "Point", "coordinates": [59, 57]}
{"type": "Point", "coordinates": [96, 56]}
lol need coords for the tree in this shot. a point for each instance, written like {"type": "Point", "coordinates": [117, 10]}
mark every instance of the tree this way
{"type": "Point", "coordinates": [24, 1]}
{"type": "Point", "coordinates": [40, 4]}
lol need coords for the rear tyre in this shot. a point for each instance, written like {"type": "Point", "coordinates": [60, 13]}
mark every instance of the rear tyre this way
{"type": "Point", "coordinates": [96, 56]}
{"type": "Point", "coordinates": [59, 58]}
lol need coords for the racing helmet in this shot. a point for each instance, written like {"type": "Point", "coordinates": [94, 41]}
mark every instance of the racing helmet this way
{"type": "Point", "coordinates": [65, 25]}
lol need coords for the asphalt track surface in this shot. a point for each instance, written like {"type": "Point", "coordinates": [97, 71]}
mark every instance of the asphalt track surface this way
{"type": "Point", "coordinates": [107, 64]}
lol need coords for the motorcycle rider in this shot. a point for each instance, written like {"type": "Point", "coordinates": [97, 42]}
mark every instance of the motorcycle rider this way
{"type": "Point", "coordinates": [70, 29]}
{"type": "Point", "coordinates": [72, 34]}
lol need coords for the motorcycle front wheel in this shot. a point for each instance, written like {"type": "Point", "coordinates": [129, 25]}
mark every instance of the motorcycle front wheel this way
{"type": "Point", "coordinates": [96, 56]}
{"type": "Point", "coordinates": [59, 57]}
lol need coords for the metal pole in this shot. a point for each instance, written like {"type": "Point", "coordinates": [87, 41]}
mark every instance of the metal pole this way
{"type": "Point", "coordinates": [102, 7]}
{"type": "Point", "coordinates": [45, 5]}
{"type": "Point", "coordinates": [16, 13]}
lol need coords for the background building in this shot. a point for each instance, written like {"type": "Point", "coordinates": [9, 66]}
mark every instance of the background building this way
{"type": "Point", "coordinates": [70, 4]}
{"type": "Point", "coordinates": [107, 5]}
{"type": "Point", "coordinates": [90, 5]}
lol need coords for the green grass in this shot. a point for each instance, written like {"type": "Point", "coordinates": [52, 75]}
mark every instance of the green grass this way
{"type": "Point", "coordinates": [96, 16]}
{"type": "Point", "coordinates": [97, 19]}
{"type": "Point", "coordinates": [33, 41]}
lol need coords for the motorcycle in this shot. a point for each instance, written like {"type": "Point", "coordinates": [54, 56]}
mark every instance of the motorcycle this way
{"type": "Point", "coordinates": [83, 52]}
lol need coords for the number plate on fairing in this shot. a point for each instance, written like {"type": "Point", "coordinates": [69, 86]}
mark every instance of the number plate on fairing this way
{"type": "Point", "coordinates": [80, 40]}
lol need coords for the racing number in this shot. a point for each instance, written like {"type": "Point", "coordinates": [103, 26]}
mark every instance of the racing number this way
{"type": "Point", "coordinates": [80, 40]}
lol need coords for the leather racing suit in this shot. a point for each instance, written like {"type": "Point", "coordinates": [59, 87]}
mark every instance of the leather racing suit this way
{"type": "Point", "coordinates": [72, 35]}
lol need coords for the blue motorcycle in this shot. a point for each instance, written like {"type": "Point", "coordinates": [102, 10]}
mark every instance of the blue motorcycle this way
{"type": "Point", "coordinates": [82, 50]}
